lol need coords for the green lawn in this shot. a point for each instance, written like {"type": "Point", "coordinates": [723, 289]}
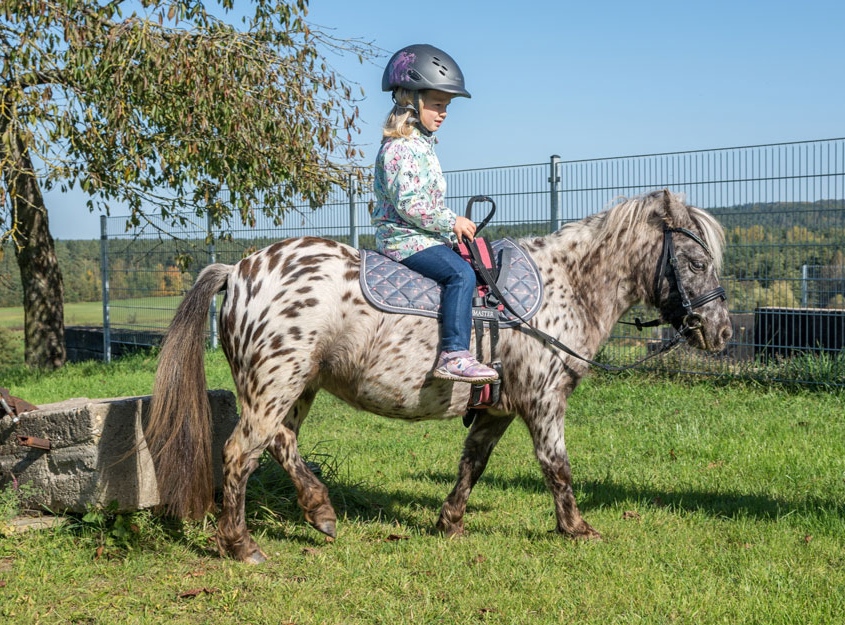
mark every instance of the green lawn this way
{"type": "Point", "coordinates": [717, 503]}
{"type": "Point", "coordinates": [141, 311]}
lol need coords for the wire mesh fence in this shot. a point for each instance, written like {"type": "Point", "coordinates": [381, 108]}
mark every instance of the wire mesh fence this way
{"type": "Point", "coordinates": [782, 206]}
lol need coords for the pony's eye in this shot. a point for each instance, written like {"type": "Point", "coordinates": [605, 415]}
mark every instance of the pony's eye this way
{"type": "Point", "coordinates": [697, 265]}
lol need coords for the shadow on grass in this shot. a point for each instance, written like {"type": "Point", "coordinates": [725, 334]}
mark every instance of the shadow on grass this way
{"type": "Point", "coordinates": [598, 494]}
{"type": "Point", "coordinates": [717, 504]}
{"type": "Point", "coordinates": [271, 503]}
{"type": "Point", "coordinates": [272, 510]}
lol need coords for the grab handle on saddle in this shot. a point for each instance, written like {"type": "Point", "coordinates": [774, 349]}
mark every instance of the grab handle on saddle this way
{"type": "Point", "coordinates": [486, 220]}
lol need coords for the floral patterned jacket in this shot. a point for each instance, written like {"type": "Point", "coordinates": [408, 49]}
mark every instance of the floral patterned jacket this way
{"type": "Point", "coordinates": [409, 213]}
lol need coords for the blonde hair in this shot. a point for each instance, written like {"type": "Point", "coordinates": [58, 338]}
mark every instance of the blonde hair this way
{"type": "Point", "coordinates": [400, 122]}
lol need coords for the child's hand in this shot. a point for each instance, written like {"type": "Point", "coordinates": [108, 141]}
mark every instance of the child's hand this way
{"type": "Point", "coordinates": [464, 228]}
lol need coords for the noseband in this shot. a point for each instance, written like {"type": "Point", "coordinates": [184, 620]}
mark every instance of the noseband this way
{"type": "Point", "coordinates": [669, 265]}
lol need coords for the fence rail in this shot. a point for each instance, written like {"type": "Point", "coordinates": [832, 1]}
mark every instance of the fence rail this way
{"type": "Point", "coordinates": [782, 205]}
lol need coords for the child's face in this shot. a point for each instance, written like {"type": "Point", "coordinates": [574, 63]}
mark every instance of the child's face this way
{"type": "Point", "coordinates": [434, 104]}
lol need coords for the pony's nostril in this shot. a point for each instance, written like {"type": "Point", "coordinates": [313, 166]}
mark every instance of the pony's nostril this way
{"type": "Point", "coordinates": [726, 334]}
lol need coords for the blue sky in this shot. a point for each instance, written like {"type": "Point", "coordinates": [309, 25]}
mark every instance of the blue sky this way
{"type": "Point", "coordinates": [589, 79]}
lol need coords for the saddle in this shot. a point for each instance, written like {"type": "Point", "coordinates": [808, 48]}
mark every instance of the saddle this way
{"type": "Point", "coordinates": [392, 287]}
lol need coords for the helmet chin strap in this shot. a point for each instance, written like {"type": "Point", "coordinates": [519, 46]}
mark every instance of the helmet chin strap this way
{"type": "Point", "coordinates": [415, 108]}
{"type": "Point", "coordinates": [418, 106]}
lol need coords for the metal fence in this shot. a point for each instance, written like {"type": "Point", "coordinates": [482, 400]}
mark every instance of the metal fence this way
{"type": "Point", "coordinates": [782, 205]}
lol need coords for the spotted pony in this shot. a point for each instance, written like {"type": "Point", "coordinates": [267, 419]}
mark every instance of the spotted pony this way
{"type": "Point", "coordinates": [294, 321]}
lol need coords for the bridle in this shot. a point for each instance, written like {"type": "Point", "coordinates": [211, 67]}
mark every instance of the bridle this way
{"type": "Point", "coordinates": [667, 266]}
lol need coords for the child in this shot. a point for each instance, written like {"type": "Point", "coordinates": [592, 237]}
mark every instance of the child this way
{"type": "Point", "coordinates": [413, 225]}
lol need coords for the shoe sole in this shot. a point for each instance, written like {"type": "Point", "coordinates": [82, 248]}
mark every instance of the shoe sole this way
{"type": "Point", "coordinates": [440, 375]}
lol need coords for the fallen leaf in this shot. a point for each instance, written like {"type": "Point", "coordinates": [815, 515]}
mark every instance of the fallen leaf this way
{"type": "Point", "coordinates": [807, 538]}
{"type": "Point", "coordinates": [2, 583]}
{"type": "Point", "coordinates": [395, 537]}
{"type": "Point", "coordinates": [310, 551]}
{"type": "Point", "coordinates": [99, 553]}
{"type": "Point", "coordinates": [478, 559]}
{"type": "Point", "coordinates": [631, 514]}
{"type": "Point", "coordinates": [190, 594]}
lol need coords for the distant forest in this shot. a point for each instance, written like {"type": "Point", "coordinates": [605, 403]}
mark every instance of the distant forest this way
{"type": "Point", "coordinates": [770, 247]}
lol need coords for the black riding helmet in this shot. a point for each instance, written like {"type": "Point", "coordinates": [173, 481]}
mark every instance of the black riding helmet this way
{"type": "Point", "coordinates": [420, 67]}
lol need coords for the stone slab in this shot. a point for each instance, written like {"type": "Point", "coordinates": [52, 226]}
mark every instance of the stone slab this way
{"type": "Point", "coordinates": [98, 455]}
{"type": "Point", "coordinates": [21, 524]}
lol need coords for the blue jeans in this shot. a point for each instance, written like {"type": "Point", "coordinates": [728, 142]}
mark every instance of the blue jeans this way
{"type": "Point", "coordinates": [456, 276]}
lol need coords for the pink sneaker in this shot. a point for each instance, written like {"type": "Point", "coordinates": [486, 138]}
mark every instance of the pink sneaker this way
{"type": "Point", "coordinates": [463, 367]}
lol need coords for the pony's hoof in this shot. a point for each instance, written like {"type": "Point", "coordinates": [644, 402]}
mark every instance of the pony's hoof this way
{"type": "Point", "coordinates": [590, 535]}
{"type": "Point", "coordinates": [329, 528]}
{"type": "Point", "coordinates": [256, 557]}
{"type": "Point", "coordinates": [450, 530]}
{"type": "Point", "coordinates": [250, 552]}
{"type": "Point", "coordinates": [584, 532]}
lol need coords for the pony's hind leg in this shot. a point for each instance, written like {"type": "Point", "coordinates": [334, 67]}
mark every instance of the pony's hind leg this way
{"type": "Point", "coordinates": [311, 494]}
{"type": "Point", "coordinates": [240, 459]}
{"type": "Point", "coordinates": [262, 424]}
{"type": "Point", "coordinates": [485, 432]}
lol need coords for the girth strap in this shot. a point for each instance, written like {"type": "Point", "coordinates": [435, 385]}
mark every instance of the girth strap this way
{"type": "Point", "coordinates": [479, 254]}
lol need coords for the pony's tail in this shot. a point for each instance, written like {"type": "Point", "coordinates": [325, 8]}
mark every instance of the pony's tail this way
{"type": "Point", "coordinates": [178, 432]}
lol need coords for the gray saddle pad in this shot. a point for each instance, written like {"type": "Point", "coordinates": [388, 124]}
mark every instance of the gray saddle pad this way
{"type": "Point", "coordinates": [392, 287]}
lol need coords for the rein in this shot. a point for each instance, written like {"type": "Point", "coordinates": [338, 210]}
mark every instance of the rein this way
{"type": "Point", "coordinates": [668, 264]}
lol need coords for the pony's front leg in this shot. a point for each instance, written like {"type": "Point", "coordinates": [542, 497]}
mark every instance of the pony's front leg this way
{"type": "Point", "coordinates": [550, 449]}
{"type": "Point", "coordinates": [485, 432]}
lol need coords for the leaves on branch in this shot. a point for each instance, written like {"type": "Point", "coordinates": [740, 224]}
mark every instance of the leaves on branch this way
{"type": "Point", "coordinates": [165, 105]}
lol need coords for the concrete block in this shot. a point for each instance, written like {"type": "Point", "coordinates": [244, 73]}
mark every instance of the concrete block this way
{"type": "Point", "coordinates": [98, 454]}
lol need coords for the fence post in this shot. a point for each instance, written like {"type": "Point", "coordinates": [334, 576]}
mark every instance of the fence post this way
{"type": "Point", "coordinates": [353, 214]}
{"type": "Point", "coordinates": [805, 274]}
{"type": "Point", "coordinates": [104, 278]}
{"type": "Point", "coordinates": [554, 193]}
{"type": "Point", "coordinates": [212, 311]}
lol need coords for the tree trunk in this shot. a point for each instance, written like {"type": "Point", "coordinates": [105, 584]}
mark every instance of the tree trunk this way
{"type": "Point", "coordinates": [41, 278]}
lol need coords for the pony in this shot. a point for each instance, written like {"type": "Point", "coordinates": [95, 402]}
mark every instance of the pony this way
{"type": "Point", "coordinates": [294, 321]}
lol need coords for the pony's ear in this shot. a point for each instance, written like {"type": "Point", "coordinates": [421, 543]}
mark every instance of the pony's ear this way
{"type": "Point", "coordinates": [677, 215]}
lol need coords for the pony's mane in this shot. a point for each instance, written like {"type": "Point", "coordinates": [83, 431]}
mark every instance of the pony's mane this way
{"type": "Point", "coordinates": [631, 220]}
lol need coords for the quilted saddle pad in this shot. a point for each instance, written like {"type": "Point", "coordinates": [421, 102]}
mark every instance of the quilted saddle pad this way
{"type": "Point", "coordinates": [393, 288]}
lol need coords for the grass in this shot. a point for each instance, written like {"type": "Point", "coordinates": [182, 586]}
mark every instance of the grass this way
{"type": "Point", "coordinates": [142, 311]}
{"type": "Point", "coordinates": [718, 504]}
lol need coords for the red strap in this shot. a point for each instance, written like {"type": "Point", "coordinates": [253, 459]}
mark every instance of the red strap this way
{"type": "Point", "coordinates": [484, 253]}
{"type": "Point", "coordinates": [463, 250]}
